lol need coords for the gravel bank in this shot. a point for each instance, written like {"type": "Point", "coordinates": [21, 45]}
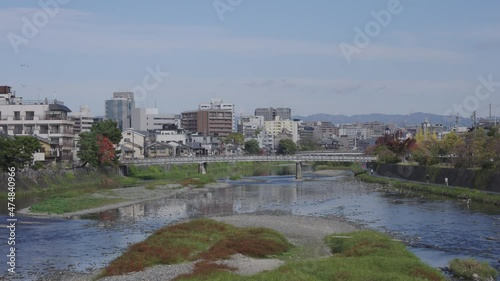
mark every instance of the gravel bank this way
{"type": "Point", "coordinates": [302, 231]}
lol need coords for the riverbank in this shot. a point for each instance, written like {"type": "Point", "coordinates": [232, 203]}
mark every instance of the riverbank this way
{"type": "Point", "coordinates": [30, 182]}
{"type": "Point", "coordinates": [120, 197]}
{"type": "Point", "coordinates": [484, 179]}
{"type": "Point", "coordinates": [127, 196]}
{"type": "Point", "coordinates": [98, 190]}
{"type": "Point", "coordinates": [449, 191]}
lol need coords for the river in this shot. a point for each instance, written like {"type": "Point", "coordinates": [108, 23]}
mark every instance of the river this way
{"type": "Point", "coordinates": [436, 229]}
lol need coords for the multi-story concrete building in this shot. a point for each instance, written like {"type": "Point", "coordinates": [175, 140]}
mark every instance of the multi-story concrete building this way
{"type": "Point", "coordinates": [46, 119]}
{"type": "Point", "coordinates": [171, 133]}
{"type": "Point", "coordinates": [208, 122]}
{"type": "Point", "coordinates": [270, 113]}
{"type": "Point", "coordinates": [83, 120]}
{"type": "Point", "coordinates": [220, 105]}
{"type": "Point", "coordinates": [307, 133]}
{"type": "Point", "coordinates": [119, 109]}
{"type": "Point", "coordinates": [355, 131]}
{"type": "Point", "coordinates": [250, 125]}
{"type": "Point", "coordinates": [276, 127]}
{"type": "Point", "coordinates": [145, 119]}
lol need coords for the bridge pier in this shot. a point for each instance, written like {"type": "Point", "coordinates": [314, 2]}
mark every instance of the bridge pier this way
{"type": "Point", "coordinates": [202, 168]}
{"type": "Point", "coordinates": [298, 170]}
{"type": "Point", "coordinates": [122, 171]}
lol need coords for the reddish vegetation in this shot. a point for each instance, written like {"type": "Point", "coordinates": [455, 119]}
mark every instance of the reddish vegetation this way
{"type": "Point", "coordinates": [106, 150]}
{"type": "Point", "coordinates": [248, 244]}
{"type": "Point", "coordinates": [425, 274]}
{"type": "Point", "coordinates": [186, 182]}
{"type": "Point", "coordinates": [105, 182]}
{"type": "Point", "coordinates": [204, 268]}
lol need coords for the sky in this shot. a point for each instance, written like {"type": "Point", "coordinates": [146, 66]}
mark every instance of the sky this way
{"type": "Point", "coordinates": [323, 56]}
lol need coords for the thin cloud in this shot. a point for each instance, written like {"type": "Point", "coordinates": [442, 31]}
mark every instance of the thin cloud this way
{"type": "Point", "coordinates": [87, 33]}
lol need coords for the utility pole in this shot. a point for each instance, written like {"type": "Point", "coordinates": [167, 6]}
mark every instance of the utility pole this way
{"type": "Point", "coordinates": [490, 115]}
{"type": "Point", "coordinates": [474, 122]}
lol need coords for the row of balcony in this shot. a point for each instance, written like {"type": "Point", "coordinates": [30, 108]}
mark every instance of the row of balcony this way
{"type": "Point", "coordinates": [43, 132]}
{"type": "Point", "coordinates": [34, 118]}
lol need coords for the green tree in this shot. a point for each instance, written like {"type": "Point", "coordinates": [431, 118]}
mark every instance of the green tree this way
{"type": "Point", "coordinates": [287, 147]}
{"type": "Point", "coordinates": [109, 129]}
{"type": "Point", "coordinates": [423, 155]}
{"type": "Point", "coordinates": [308, 145]}
{"type": "Point", "coordinates": [385, 155]}
{"type": "Point", "coordinates": [234, 138]}
{"type": "Point", "coordinates": [91, 146]}
{"type": "Point", "coordinates": [17, 152]}
{"type": "Point", "coordinates": [88, 149]}
{"type": "Point", "coordinates": [252, 147]}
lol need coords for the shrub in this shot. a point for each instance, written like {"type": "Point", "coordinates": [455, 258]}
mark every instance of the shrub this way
{"type": "Point", "coordinates": [466, 268]}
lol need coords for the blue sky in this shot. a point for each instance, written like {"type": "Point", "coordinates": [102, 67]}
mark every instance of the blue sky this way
{"type": "Point", "coordinates": [426, 58]}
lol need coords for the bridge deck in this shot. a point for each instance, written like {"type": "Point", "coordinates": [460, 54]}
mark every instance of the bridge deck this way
{"type": "Point", "coordinates": [213, 159]}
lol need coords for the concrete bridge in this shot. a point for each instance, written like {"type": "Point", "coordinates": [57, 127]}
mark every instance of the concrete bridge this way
{"type": "Point", "coordinates": [203, 161]}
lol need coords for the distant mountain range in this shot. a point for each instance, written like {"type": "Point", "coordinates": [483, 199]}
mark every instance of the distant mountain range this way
{"type": "Point", "coordinates": [409, 119]}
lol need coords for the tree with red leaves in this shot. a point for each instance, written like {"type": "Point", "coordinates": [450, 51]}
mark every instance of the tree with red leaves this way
{"type": "Point", "coordinates": [97, 147]}
{"type": "Point", "coordinates": [399, 147]}
{"type": "Point", "coordinates": [106, 150]}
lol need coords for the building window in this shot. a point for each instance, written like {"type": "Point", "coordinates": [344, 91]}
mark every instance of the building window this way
{"type": "Point", "coordinates": [30, 115]}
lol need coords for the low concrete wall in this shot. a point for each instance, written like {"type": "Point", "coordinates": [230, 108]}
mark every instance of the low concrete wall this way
{"type": "Point", "coordinates": [476, 179]}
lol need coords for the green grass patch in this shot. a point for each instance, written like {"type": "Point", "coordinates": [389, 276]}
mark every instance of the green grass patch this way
{"type": "Point", "coordinates": [365, 255]}
{"type": "Point", "coordinates": [466, 268]}
{"type": "Point", "coordinates": [69, 202]}
{"type": "Point", "coordinates": [235, 177]}
{"type": "Point", "coordinates": [197, 239]}
{"type": "Point", "coordinates": [327, 165]}
{"type": "Point", "coordinates": [187, 174]}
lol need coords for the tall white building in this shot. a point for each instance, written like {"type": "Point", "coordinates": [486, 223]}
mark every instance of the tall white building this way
{"type": "Point", "coordinates": [46, 119]}
{"type": "Point", "coordinates": [145, 119]}
{"type": "Point", "coordinates": [219, 104]}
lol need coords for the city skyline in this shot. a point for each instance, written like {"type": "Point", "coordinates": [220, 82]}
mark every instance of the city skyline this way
{"type": "Point", "coordinates": [425, 57]}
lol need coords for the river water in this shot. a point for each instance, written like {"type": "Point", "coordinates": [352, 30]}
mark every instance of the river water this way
{"type": "Point", "coordinates": [436, 229]}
